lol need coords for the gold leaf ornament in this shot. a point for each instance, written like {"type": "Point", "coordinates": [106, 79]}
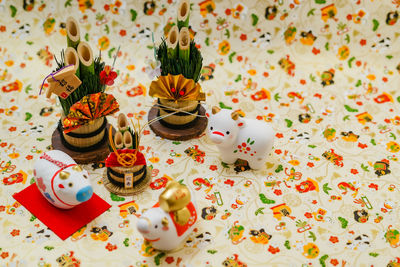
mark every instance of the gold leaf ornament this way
{"type": "Point", "coordinates": [177, 88]}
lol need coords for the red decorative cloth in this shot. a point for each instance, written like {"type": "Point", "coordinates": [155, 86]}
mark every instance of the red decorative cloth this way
{"type": "Point", "coordinates": [62, 222]}
{"type": "Point", "coordinates": [112, 161]}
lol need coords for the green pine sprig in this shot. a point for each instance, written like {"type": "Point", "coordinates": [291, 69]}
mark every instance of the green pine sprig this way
{"type": "Point", "coordinates": [175, 66]}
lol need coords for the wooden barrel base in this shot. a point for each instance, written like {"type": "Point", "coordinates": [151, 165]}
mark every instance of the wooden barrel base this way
{"type": "Point", "coordinates": [97, 155]}
{"type": "Point", "coordinates": [178, 134]}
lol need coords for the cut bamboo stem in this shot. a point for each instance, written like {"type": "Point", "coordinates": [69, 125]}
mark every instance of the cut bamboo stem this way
{"type": "Point", "coordinates": [184, 44]}
{"type": "Point", "coordinates": [73, 33]}
{"type": "Point", "coordinates": [172, 42]}
{"type": "Point", "coordinates": [128, 141]}
{"type": "Point", "coordinates": [122, 122]}
{"type": "Point", "coordinates": [71, 58]}
{"type": "Point", "coordinates": [86, 62]}
{"type": "Point", "coordinates": [118, 140]}
{"type": "Point", "coordinates": [183, 14]}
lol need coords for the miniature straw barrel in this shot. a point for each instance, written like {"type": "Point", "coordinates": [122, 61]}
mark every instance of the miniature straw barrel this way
{"type": "Point", "coordinates": [183, 14]}
{"type": "Point", "coordinates": [86, 62]}
{"type": "Point", "coordinates": [71, 58]}
{"type": "Point", "coordinates": [87, 135]}
{"type": "Point", "coordinates": [73, 33]}
{"type": "Point", "coordinates": [116, 175]}
{"type": "Point", "coordinates": [180, 119]}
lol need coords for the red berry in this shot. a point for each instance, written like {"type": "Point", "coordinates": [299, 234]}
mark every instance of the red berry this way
{"type": "Point", "coordinates": [181, 92]}
{"type": "Point", "coordinates": [243, 144]}
{"type": "Point", "coordinates": [173, 90]}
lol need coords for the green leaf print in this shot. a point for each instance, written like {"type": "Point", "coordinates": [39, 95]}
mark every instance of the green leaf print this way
{"type": "Point", "coordinates": [326, 188]}
{"type": "Point", "coordinates": [323, 259]}
{"type": "Point", "coordinates": [13, 11]}
{"type": "Point", "coordinates": [343, 221]}
{"type": "Point", "coordinates": [289, 123]}
{"type": "Point", "coordinates": [157, 258]}
{"type": "Point", "coordinates": [133, 14]}
{"type": "Point", "coordinates": [231, 56]}
{"type": "Point", "coordinates": [254, 18]}
{"type": "Point", "coordinates": [114, 197]}
{"type": "Point", "coordinates": [259, 211]}
{"type": "Point", "coordinates": [279, 169]}
{"type": "Point", "coordinates": [312, 236]}
{"type": "Point", "coordinates": [266, 200]}
{"type": "Point", "coordinates": [376, 24]}
{"type": "Point", "coordinates": [350, 109]}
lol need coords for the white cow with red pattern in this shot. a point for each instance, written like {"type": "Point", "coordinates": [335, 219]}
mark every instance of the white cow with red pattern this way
{"type": "Point", "coordinates": [170, 220]}
{"type": "Point", "coordinates": [240, 138]}
{"type": "Point", "coordinates": [61, 181]}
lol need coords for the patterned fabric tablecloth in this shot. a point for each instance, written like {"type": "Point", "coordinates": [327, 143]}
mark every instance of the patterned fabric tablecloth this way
{"type": "Point", "coordinates": [324, 74]}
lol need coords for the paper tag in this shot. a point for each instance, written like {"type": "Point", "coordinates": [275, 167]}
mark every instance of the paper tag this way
{"type": "Point", "coordinates": [64, 83]}
{"type": "Point", "coordinates": [128, 179]}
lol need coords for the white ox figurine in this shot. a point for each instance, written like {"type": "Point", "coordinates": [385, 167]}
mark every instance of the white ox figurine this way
{"type": "Point", "coordinates": [61, 181]}
{"type": "Point", "coordinates": [171, 220]}
{"type": "Point", "coordinates": [240, 138]}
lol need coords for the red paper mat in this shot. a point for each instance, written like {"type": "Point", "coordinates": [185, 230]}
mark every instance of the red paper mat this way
{"type": "Point", "coordinates": [62, 222]}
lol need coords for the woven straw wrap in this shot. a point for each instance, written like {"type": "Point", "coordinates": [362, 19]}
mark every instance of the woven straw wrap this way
{"type": "Point", "coordinates": [90, 127]}
{"type": "Point", "coordinates": [121, 191]}
{"type": "Point", "coordinates": [187, 106]}
{"type": "Point", "coordinates": [123, 170]}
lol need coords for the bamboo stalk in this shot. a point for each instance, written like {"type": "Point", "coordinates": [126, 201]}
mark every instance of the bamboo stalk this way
{"type": "Point", "coordinates": [183, 14]}
{"type": "Point", "coordinates": [184, 44]}
{"type": "Point", "coordinates": [71, 57]}
{"type": "Point", "coordinates": [73, 33]}
{"type": "Point", "coordinates": [86, 63]}
{"type": "Point", "coordinates": [172, 42]}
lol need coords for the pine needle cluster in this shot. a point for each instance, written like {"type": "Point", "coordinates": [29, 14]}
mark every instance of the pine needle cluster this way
{"type": "Point", "coordinates": [175, 66]}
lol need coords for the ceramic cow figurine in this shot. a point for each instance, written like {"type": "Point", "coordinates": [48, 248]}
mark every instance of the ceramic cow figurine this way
{"type": "Point", "coordinates": [61, 181]}
{"type": "Point", "coordinates": [240, 138]}
{"type": "Point", "coordinates": [171, 220]}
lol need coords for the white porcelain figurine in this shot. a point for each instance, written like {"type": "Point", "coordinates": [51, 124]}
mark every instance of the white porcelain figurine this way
{"type": "Point", "coordinates": [61, 181]}
{"type": "Point", "coordinates": [171, 220]}
{"type": "Point", "coordinates": [240, 138]}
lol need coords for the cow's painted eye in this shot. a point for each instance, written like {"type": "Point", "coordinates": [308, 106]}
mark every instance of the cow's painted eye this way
{"type": "Point", "coordinates": [85, 176]}
{"type": "Point", "coordinates": [70, 184]}
{"type": "Point", "coordinates": [227, 132]}
{"type": "Point", "coordinates": [156, 226]}
{"type": "Point", "coordinates": [211, 128]}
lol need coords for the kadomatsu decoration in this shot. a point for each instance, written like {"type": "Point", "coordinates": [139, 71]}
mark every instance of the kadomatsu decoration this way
{"type": "Point", "coordinates": [178, 114]}
{"type": "Point", "coordinates": [126, 173]}
{"type": "Point", "coordinates": [79, 82]}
